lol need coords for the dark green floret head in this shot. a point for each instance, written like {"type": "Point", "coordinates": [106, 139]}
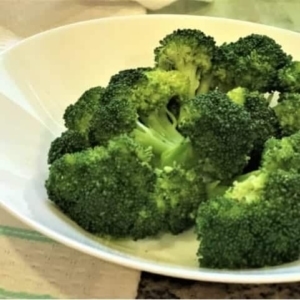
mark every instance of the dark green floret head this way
{"type": "Point", "coordinates": [264, 120]}
{"type": "Point", "coordinates": [77, 116]}
{"type": "Point", "coordinates": [252, 62]}
{"type": "Point", "coordinates": [220, 132]}
{"type": "Point", "coordinates": [69, 141]}
{"type": "Point", "coordinates": [114, 117]}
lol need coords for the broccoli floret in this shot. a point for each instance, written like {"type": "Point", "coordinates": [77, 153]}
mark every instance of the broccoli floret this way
{"type": "Point", "coordinates": [289, 78]}
{"type": "Point", "coordinates": [77, 116]}
{"type": "Point", "coordinates": [288, 111]}
{"type": "Point", "coordinates": [220, 133]}
{"type": "Point", "coordinates": [136, 103]}
{"type": "Point", "coordinates": [114, 117]}
{"type": "Point", "coordinates": [264, 120]}
{"type": "Point", "coordinates": [252, 62]}
{"type": "Point", "coordinates": [254, 224]}
{"type": "Point", "coordinates": [282, 153]}
{"type": "Point", "coordinates": [114, 191]}
{"type": "Point", "coordinates": [129, 76]}
{"type": "Point", "coordinates": [180, 191]}
{"type": "Point", "coordinates": [107, 190]}
{"type": "Point", "coordinates": [190, 51]}
{"type": "Point", "coordinates": [70, 141]}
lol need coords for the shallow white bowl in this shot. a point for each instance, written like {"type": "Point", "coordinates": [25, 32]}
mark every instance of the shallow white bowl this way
{"type": "Point", "coordinates": [40, 76]}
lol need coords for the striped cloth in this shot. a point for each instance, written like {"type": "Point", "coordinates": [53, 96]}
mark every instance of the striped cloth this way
{"type": "Point", "coordinates": [33, 266]}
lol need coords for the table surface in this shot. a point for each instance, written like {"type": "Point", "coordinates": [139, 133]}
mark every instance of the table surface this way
{"type": "Point", "coordinates": [279, 13]}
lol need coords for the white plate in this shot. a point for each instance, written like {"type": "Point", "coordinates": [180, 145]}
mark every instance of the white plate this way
{"type": "Point", "coordinates": [40, 76]}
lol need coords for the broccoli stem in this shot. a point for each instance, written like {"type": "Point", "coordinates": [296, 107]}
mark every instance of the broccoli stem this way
{"type": "Point", "coordinates": [159, 122]}
{"type": "Point", "coordinates": [205, 84]}
{"type": "Point", "coordinates": [191, 71]}
{"type": "Point", "coordinates": [148, 137]}
{"type": "Point", "coordinates": [181, 154]}
{"type": "Point", "coordinates": [215, 189]}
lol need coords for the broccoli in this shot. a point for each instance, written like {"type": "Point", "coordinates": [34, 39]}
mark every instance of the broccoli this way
{"type": "Point", "coordinates": [192, 141]}
{"type": "Point", "coordinates": [113, 190]}
{"type": "Point", "coordinates": [190, 51]}
{"type": "Point", "coordinates": [77, 116]}
{"type": "Point", "coordinates": [181, 191]}
{"type": "Point", "coordinates": [255, 222]}
{"type": "Point", "coordinates": [136, 103]}
{"type": "Point", "coordinates": [70, 141]}
{"type": "Point", "coordinates": [287, 111]}
{"type": "Point", "coordinates": [282, 153]}
{"type": "Point", "coordinates": [252, 62]}
{"type": "Point", "coordinates": [264, 120]}
{"type": "Point", "coordinates": [220, 133]}
{"type": "Point", "coordinates": [213, 133]}
{"type": "Point", "coordinates": [289, 78]}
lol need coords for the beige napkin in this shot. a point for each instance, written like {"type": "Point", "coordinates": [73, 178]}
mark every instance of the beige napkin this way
{"type": "Point", "coordinates": [33, 266]}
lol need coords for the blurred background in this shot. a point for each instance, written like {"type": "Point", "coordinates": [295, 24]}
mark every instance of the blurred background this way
{"type": "Point", "coordinates": [26, 17]}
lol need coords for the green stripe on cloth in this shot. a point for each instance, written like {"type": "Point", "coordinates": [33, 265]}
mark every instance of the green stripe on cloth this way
{"type": "Point", "coordinates": [4, 294]}
{"type": "Point", "coordinates": [23, 234]}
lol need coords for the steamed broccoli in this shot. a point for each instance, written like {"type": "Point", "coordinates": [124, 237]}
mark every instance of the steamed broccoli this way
{"type": "Point", "coordinates": [264, 120]}
{"type": "Point", "coordinates": [181, 191]}
{"type": "Point", "coordinates": [70, 141]}
{"type": "Point", "coordinates": [252, 62]}
{"type": "Point", "coordinates": [78, 115]}
{"type": "Point", "coordinates": [77, 118]}
{"type": "Point", "coordinates": [288, 111]}
{"type": "Point", "coordinates": [192, 141]}
{"type": "Point", "coordinates": [289, 78]}
{"type": "Point", "coordinates": [220, 132]}
{"type": "Point", "coordinates": [190, 51]}
{"type": "Point", "coordinates": [115, 191]}
{"type": "Point", "coordinates": [138, 99]}
{"type": "Point", "coordinates": [255, 223]}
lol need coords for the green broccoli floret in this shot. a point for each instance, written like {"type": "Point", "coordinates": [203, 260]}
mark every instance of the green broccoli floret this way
{"type": "Point", "coordinates": [264, 120]}
{"type": "Point", "coordinates": [254, 224]}
{"type": "Point", "coordinates": [107, 190]}
{"type": "Point", "coordinates": [190, 51]}
{"type": "Point", "coordinates": [289, 78]}
{"type": "Point", "coordinates": [282, 153]}
{"type": "Point", "coordinates": [288, 111]}
{"type": "Point", "coordinates": [252, 62]}
{"type": "Point", "coordinates": [114, 191]}
{"type": "Point", "coordinates": [180, 191]}
{"type": "Point", "coordinates": [77, 116]}
{"type": "Point", "coordinates": [136, 103]}
{"type": "Point", "coordinates": [220, 134]}
{"type": "Point", "coordinates": [69, 141]}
